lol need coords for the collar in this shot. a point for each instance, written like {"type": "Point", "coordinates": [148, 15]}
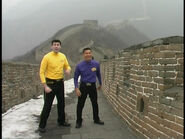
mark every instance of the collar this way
{"type": "Point", "coordinates": [87, 61]}
{"type": "Point", "coordinates": [53, 53]}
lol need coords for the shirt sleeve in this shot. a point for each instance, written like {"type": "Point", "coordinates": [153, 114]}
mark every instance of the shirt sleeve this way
{"type": "Point", "coordinates": [66, 64]}
{"type": "Point", "coordinates": [99, 74]}
{"type": "Point", "coordinates": [76, 75]}
{"type": "Point", "coordinates": [43, 67]}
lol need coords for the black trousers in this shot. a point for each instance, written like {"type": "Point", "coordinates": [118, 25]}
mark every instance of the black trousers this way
{"type": "Point", "coordinates": [92, 92]}
{"type": "Point", "coordinates": [58, 90]}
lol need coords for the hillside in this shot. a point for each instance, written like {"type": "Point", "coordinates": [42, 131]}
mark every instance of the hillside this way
{"type": "Point", "coordinates": [127, 33]}
{"type": "Point", "coordinates": [102, 40]}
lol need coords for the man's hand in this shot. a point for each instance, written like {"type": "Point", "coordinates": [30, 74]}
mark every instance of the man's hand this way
{"type": "Point", "coordinates": [99, 87]}
{"type": "Point", "coordinates": [77, 91]}
{"type": "Point", "coordinates": [47, 89]}
{"type": "Point", "coordinates": [68, 72]}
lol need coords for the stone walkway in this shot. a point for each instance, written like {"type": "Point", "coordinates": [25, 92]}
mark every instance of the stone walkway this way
{"type": "Point", "coordinates": [114, 127]}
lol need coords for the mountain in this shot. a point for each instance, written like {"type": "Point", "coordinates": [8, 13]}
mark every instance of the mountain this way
{"type": "Point", "coordinates": [127, 33]}
{"type": "Point", "coordinates": [104, 41]}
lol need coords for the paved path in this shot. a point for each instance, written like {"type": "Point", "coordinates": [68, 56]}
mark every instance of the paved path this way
{"type": "Point", "coordinates": [114, 127]}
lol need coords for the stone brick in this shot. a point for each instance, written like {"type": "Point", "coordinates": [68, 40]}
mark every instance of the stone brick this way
{"type": "Point", "coordinates": [159, 55]}
{"type": "Point", "coordinates": [169, 132]}
{"type": "Point", "coordinates": [164, 108]}
{"type": "Point", "coordinates": [135, 62]}
{"type": "Point", "coordinates": [146, 67]}
{"type": "Point", "coordinates": [155, 49]}
{"type": "Point", "coordinates": [175, 47]}
{"type": "Point", "coordinates": [139, 89]}
{"type": "Point", "coordinates": [144, 62]}
{"type": "Point", "coordinates": [177, 104]}
{"type": "Point", "coordinates": [140, 72]}
{"type": "Point", "coordinates": [138, 83]}
{"type": "Point", "coordinates": [179, 55]}
{"type": "Point", "coordinates": [168, 116]}
{"type": "Point", "coordinates": [179, 81]}
{"type": "Point", "coordinates": [179, 120]}
{"type": "Point", "coordinates": [153, 99]}
{"type": "Point", "coordinates": [167, 74]}
{"type": "Point", "coordinates": [149, 55]}
{"type": "Point", "coordinates": [180, 74]}
{"type": "Point", "coordinates": [169, 54]}
{"type": "Point", "coordinates": [167, 61]}
{"type": "Point", "coordinates": [153, 61]}
{"type": "Point", "coordinates": [164, 68]}
{"type": "Point", "coordinates": [135, 77]}
{"type": "Point", "coordinates": [181, 61]}
{"type": "Point", "coordinates": [159, 80]}
{"type": "Point", "coordinates": [141, 78]}
{"type": "Point", "coordinates": [147, 50]}
{"type": "Point", "coordinates": [165, 101]}
{"type": "Point", "coordinates": [168, 81]}
{"type": "Point", "coordinates": [142, 56]}
{"type": "Point", "coordinates": [164, 87]}
{"type": "Point", "coordinates": [133, 72]}
{"type": "Point", "coordinates": [149, 85]}
{"type": "Point", "coordinates": [153, 73]}
{"type": "Point", "coordinates": [155, 126]}
{"type": "Point", "coordinates": [148, 79]}
{"type": "Point", "coordinates": [163, 47]}
{"type": "Point", "coordinates": [148, 91]}
{"type": "Point", "coordinates": [180, 68]}
{"type": "Point", "coordinates": [180, 136]}
{"type": "Point", "coordinates": [132, 81]}
{"type": "Point", "coordinates": [174, 126]}
{"type": "Point", "coordinates": [155, 118]}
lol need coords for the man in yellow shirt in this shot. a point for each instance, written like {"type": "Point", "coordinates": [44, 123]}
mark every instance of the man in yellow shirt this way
{"type": "Point", "coordinates": [51, 73]}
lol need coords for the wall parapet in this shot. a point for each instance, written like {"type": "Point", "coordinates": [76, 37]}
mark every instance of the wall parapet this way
{"type": "Point", "coordinates": [145, 87]}
{"type": "Point", "coordinates": [20, 82]}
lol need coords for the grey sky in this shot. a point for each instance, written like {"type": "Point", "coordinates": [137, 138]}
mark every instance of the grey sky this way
{"type": "Point", "coordinates": [27, 23]}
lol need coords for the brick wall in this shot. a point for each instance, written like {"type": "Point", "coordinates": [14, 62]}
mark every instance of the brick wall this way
{"type": "Point", "coordinates": [145, 87]}
{"type": "Point", "coordinates": [20, 82]}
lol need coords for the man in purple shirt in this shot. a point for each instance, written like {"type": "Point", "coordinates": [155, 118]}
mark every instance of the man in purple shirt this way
{"type": "Point", "coordinates": [88, 70]}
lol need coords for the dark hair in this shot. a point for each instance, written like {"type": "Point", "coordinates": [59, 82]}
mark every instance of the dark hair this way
{"type": "Point", "coordinates": [56, 41]}
{"type": "Point", "coordinates": [86, 49]}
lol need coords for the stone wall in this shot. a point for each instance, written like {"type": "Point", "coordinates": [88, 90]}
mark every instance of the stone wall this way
{"type": "Point", "coordinates": [93, 23]}
{"type": "Point", "coordinates": [145, 87]}
{"type": "Point", "coordinates": [20, 82]}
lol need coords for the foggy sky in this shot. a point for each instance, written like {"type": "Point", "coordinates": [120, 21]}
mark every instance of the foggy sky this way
{"type": "Point", "coordinates": [27, 23]}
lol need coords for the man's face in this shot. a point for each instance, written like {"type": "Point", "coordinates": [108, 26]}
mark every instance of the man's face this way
{"type": "Point", "coordinates": [56, 47]}
{"type": "Point", "coordinates": [87, 55]}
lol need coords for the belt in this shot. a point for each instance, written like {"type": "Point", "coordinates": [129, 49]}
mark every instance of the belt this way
{"type": "Point", "coordinates": [87, 84]}
{"type": "Point", "coordinates": [52, 81]}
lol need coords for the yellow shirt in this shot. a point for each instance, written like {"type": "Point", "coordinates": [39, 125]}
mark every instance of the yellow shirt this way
{"type": "Point", "coordinates": [52, 66]}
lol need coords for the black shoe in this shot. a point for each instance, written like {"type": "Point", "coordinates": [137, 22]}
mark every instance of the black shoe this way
{"type": "Point", "coordinates": [41, 129]}
{"type": "Point", "coordinates": [78, 125]}
{"type": "Point", "coordinates": [64, 124]}
{"type": "Point", "coordinates": [99, 122]}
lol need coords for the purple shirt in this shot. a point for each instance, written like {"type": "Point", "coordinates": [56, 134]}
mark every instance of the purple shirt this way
{"type": "Point", "coordinates": [88, 72]}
